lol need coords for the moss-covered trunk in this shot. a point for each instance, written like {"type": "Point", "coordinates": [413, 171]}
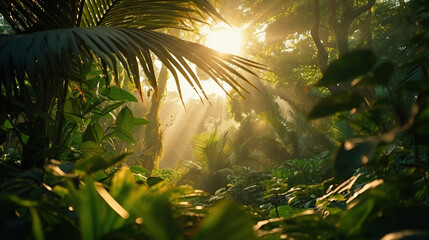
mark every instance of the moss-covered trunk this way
{"type": "Point", "coordinates": [153, 133]}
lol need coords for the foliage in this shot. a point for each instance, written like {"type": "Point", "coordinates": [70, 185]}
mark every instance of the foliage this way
{"type": "Point", "coordinates": [116, 205]}
{"type": "Point", "coordinates": [373, 186]}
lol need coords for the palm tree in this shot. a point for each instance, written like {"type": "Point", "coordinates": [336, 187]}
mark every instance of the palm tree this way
{"type": "Point", "coordinates": [54, 41]}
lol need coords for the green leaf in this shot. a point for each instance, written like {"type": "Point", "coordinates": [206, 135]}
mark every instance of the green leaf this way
{"type": "Point", "coordinates": [125, 120]}
{"type": "Point", "coordinates": [348, 67]}
{"type": "Point", "coordinates": [72, 111]}
{"type": "Point", "coordinates": [158, 217]}
{"type": "Point", "coordinates": [125, 136]}
{"type": "Point", "coordinates": [36, 222]}
{"type": "Point", "coordinates": [139, 169]}
{"type": "Point", "coordinates": [116, 93]}
{"type": "Point", "coordinates": [93, 133]}
{"type": "Point", "coordinates": [97, 162]}
{"type": "Point", "coordinates": [13, 200]}
{"type": "Point", "coordinates": [285, 211]}
{"type": "Point", "coordinates": [352, 155]}
{"type": "Point", "coordinates": [337, 102]}
{"type": "Point", "coordinates": [111, 107]}
{"type": "Point", "coordinates": [91, 148]}
{"type": "Point", "coordinates": [226, 221]}
{"type": "Point", "coordinates": [354, 219]}
{"type": "Point", "coordinates": [139, 173]}
{"type": "Point", "coordinates": [107, 109]}
{"type": "Point", "coordinates": [140, 121]}
{"type": "Point", "coordinates": [124, 124]}
{"type": "Point", "coordinates": [153, 180]}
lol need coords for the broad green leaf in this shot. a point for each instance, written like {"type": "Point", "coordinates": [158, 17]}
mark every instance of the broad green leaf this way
{"type": "Point", "coordinates": [97, 162]}
{"type": "Point", "coordinates": [140, 121]}
{"type": "Point", "coordinates": [226, 221]}
{"type": "Point", "coordinates": [337, 102]}
{"type": "Point", "coordinates": [348, 67]}
{"type": "Point", "coordinates": [91, 148]}
{"type": "Point", "coordinates": [352, 155]}
{"type": "Point", "coordinates": [354, 219]}
{"type": "Point", "coordinates": [124, 124]}
{"type": "Point", "coordinates": [158, 217]}
{"type": "Point", "coordinates": [116, 93]}
{"type": "Point", "coordinates": [93, 133]}
{"type": "Point", "coordinates": [125, 120]}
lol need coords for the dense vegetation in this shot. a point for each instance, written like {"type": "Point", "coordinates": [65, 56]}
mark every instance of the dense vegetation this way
{"type": "Point", "coordinates": [330, 136]}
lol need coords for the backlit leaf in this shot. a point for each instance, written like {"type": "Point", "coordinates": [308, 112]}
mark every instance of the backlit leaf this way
{"type": "Point", "coordinates": [337, 102]}
{"type": "Point", "coordinates": [348, 67]}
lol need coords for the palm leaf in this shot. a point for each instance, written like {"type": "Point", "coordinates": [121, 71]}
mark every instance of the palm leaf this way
{"type": "Point", "coordinates": [38, 15]}
{"type": "Point", "coordinates": [47, 56]}
{"type": "Point", "coordinates": [148, 14]}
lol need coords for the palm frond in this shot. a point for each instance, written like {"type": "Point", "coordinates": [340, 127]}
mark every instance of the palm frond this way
{"type": "Point", "coordinates": [50, 54]}
{"type": "Point", "coordinates": [148, 14]}
{"type": "Point", "coordinates": [38, 15]}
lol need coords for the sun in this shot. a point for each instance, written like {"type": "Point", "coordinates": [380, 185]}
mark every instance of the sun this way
{"type": "Point", "coordinates": [224, 38]}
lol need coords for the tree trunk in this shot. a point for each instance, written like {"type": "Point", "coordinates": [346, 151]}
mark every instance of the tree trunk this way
{"type": "Point", "coordinates": [153, 133]}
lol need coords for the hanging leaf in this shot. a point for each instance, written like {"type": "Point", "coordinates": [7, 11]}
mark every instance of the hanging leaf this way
{"type": "Point", "coordinates": [337, 102]}
{"type": "Point", "coordinates": [348, 67]}
{"type": "Point", "coordinates": [353, 154]}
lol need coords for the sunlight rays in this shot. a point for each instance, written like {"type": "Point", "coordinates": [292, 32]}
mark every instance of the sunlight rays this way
{"type": "Point", "coordinates": [224, 38]}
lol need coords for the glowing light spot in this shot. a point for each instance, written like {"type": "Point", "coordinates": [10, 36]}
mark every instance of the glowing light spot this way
{"type": "Point", "coordinates": [364, 160]}
{"type": "Point", "coordinates": [348, 146]}
{"type": "Point", "coordinates": [224, 39]}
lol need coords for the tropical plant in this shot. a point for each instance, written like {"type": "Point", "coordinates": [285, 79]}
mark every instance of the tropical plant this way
{"type": "Point", "coordinates": [53, 44]}
{"type": "Point", "coordinates": [213, 164]}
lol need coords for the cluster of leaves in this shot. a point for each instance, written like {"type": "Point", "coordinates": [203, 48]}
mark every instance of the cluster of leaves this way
{"type": "Point", "coordinates": [377, 181]}
{"type": "Point", "coordinates": [92, 200]}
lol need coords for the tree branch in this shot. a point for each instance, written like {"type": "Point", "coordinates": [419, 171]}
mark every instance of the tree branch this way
{"type": "Point", "coordinates": [356, 12]}
{"type": "Point", "coordinates": [323, 54]}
